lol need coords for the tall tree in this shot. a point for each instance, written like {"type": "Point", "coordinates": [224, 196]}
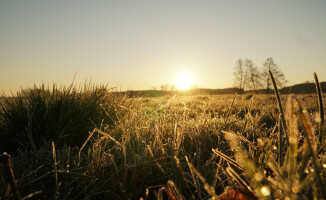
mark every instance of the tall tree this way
{"type": "Point", "coordinates": [240, 74]}
{"type": "Point", "coordinates": [280, 79]}
{"type": "Point", "coordinates": [253, 75]}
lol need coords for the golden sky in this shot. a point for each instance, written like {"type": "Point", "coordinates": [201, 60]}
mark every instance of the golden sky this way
{"type": "Point", "coordinates": [144, 44]}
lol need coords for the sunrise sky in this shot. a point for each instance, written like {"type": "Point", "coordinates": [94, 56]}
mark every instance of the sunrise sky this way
{"type": "Point", "coordinates": [139, 44]}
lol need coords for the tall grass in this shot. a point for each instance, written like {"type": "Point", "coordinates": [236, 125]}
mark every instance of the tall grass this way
{"type": "Point", "coordinates": [293, 178]}
{"type": "Point", "coordinates": [182, 147]}
{"type": "Point", "coordinates": [61, 114]}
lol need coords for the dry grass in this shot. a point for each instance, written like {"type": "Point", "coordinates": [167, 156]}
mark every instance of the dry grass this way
{"type": "Point", "coordinates": [177, 146]}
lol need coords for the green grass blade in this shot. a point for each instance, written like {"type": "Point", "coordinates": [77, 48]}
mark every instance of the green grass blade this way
{"type": "Point", "coordinates": [280, 143]}
{"type": "Point", "coordinates": [55, 171]}
{"type": "Point", "coordinates": [321, 110]}
{"type": "Point", "coordinates": [293, 135]}
{"type": "Point", "coordinates": [279, 103]}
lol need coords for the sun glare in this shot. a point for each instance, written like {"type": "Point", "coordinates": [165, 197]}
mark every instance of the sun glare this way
{"type": "Point", "coordinates": [184, 81]}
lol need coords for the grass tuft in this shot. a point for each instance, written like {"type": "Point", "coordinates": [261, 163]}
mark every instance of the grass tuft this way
{"type": "Point", "coordinates": [61, 114]}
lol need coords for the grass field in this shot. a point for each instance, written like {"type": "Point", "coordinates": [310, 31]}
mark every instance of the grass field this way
{"type": "Point", "coordinates": [100, 146]}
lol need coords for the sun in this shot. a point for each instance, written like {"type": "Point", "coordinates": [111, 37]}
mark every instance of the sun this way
{"type": "Point", "coordinates": [184, 81]}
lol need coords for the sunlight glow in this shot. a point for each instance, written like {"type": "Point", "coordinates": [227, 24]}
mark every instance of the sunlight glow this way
{"type": "Point", "coordinates": [184, 81]}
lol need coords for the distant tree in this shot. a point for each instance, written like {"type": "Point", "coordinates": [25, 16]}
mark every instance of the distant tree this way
{"type": "Point", "coordinates": [240, 74]}
{"type": "Point", "coordinates": [165, 87]}
{"type": "Point", "coordinates": [280, 79]}
{"type": "Point", "coordinates": [253, 76]}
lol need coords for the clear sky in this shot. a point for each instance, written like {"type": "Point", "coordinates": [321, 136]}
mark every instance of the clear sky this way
{"type": "Point", "coordinates": [140, 44]}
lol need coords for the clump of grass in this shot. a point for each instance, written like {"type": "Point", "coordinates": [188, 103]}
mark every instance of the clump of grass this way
{"type": "Point", "coordinates": [61, 114]}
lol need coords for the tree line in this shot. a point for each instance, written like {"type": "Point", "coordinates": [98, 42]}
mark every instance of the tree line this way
{"type": "Point", "coordinates": [247, 75]}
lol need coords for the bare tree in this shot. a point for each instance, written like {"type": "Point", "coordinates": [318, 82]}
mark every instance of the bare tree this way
{"type": "Point", "coordinates": [240, 74]}
{"type": "Point", "coordinates": [253, 75]}
{"type": "Point", "coordinates": [280, 79]}
{"type": "Point", "coordinates": [165, 87]}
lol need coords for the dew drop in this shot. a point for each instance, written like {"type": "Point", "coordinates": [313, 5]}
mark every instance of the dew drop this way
{"type": "Point", "coordinates": [265, 191]}
{"type": "Point", "coordinates": [258, 177]}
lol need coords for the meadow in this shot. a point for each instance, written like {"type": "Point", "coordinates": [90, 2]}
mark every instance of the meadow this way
{"type": "Point", "coordinates": [91, 143]}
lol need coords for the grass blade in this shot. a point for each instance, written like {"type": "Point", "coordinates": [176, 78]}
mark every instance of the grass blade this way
{"type": "Point", "coordinates": [279, 103]}
{"type": "Point", "coordinates": [8, 168]}
{"type": "Point", "coordinates": [209, 189]}
{"type": "Point", "coordinates": [293, 135]}
{"type": "Point", "coordinates": [55, 171]}
{"type": "Point", "coordinates": [227, 158]}
{"type": "Point", "coordinates": [321, 111]}
{"type": "Point", "coordinates": [280, 143]}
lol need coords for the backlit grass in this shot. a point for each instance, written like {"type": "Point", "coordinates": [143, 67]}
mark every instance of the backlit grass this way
{"type": "Point", "coordinates": [192, 147]}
